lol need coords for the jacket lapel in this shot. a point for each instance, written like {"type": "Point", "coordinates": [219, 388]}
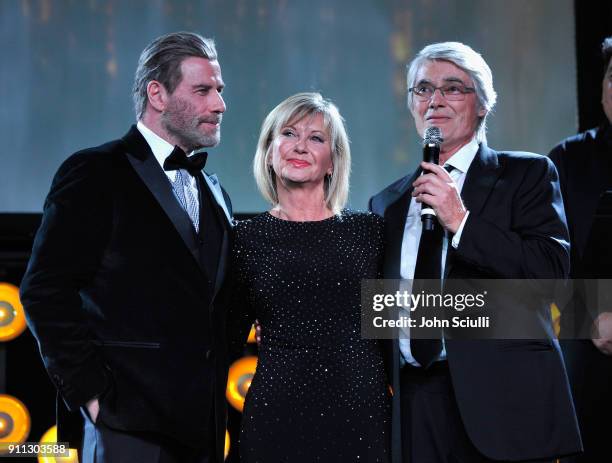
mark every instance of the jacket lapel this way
{"type": "Point", "coordinates": [585, 194]}
{"type": "Point", "coordinates": [480, 181]}
{"type": "Point", "coordinates": [224, 217]}
{"type": "Point", "coordinates": [396, 212]}
{"type": "Point", "coordinates": [148, 169]}
{"type": "Point", "coordinates": [222, 264]}
{"type": "Point", "coordinates": [215, 188]}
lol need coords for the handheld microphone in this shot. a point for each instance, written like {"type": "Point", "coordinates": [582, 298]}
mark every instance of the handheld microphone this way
{"type": "Point", "coordinates": [432, 139]}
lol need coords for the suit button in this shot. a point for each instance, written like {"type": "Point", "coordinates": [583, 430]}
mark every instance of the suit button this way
{"type": "Point", "coordinates": [209, 354]}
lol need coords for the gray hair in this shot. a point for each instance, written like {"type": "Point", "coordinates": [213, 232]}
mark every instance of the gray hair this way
{"type": "Point", "coordinates": [472, 63]}
{"type": "Point", "coordinates": [294, 109]}
{"type": "Point", "coordinates": [606, 52]}
{"type": "Point", "coordinates": [161, 61]}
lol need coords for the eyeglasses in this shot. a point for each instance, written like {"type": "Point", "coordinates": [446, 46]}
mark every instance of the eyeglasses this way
{"type": "Point", "coordinates": [452, 92]}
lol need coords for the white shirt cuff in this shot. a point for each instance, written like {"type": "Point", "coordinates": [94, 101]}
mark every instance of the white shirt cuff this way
{"type": "Point", "coordinates": [457, 237]}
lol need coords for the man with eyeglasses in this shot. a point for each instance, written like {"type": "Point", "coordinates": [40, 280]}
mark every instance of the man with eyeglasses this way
{"type": "Point", "coordinates": [499, 215]}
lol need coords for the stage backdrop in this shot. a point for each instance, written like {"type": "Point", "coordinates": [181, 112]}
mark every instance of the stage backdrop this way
{"type": "Point", "coordinates": [68, 67]}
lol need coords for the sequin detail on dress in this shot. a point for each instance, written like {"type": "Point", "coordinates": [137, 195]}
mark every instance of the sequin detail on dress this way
{"type": "Point", "coordinates": [320, 391]}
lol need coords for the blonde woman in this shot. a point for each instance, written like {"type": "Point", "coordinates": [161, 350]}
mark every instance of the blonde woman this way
{"type": "Point", "coordinates": [319, 393]}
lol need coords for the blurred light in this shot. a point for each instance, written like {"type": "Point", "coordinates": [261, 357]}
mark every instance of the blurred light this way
{"type": "Point", "coordinates": [556, 318]}
{"type": "Point", "coordinates": [227, 445]}
{"type": "Point", "coordinates": [111, 68]}
{"type": "Point", "coordinates": [50, 437]}
{"type": "Point", "coordinates": [14, 421]}
{"type": "Point", "coordinates": [251, 339]}
{"type": "Point", "coordinates": [239, 380]}
{"type": "Point", "coordinates": [12, 317]}
{"type": "Point", "coordinates": [400, 48]}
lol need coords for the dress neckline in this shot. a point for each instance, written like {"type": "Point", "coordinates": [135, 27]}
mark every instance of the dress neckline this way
{"type": "Point", "coordinates": [329, 219]}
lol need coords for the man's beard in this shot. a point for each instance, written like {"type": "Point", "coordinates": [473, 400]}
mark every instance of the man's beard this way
{"type": "Point", "coordinates": [180, 121]}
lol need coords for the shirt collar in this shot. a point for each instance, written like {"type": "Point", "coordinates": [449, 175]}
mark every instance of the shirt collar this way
{"type": "Point", "coordinates": [160, 147]}
{"type": "Point", "coordinates": [462, 159]}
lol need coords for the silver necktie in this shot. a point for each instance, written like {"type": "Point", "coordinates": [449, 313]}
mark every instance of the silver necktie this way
{"type": "Point", "coordinates": [187, 198]}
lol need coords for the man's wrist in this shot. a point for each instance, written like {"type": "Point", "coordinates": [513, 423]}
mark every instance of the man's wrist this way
{"type": "Point", "coordinates": [457, 234]}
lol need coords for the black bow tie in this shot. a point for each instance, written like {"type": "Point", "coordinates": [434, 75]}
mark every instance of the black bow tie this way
{"type": "Point", "coordinates": [179, 160]}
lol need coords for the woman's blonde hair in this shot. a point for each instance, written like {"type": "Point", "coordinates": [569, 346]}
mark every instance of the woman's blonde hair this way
{"type": "Point", "coordinates": [294, 109]}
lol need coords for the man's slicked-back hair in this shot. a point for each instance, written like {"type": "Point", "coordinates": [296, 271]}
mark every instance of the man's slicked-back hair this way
{"type": "Point", "coordinates": [161, 61]}
{"type": "Point", "coordinates": [471, 62]}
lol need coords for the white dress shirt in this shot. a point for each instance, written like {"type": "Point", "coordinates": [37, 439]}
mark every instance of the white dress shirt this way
{"type": "Point", "coordinates": [460, 161]}
{"type": "Point", "coordinates": [161, 150]}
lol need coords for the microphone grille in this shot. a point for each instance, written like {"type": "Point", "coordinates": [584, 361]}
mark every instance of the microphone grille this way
{"type": "Point", "coordinates": [432, 135]}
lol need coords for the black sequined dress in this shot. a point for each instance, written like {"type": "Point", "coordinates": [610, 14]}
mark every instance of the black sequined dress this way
{"type": "Point", "coordinates": [320, 391]}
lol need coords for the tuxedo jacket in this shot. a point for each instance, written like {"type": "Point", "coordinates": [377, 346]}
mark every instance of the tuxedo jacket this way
{"type": "Point", "coordinates": [118, 295]}
{"type": "Point", "coordinates": [513, 395]}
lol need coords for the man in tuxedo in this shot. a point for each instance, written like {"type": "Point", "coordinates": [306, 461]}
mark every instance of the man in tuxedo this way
{"type": "Point", "coordinates": [123, 288]}
{"type": "Point", "coordinates": [584, 162]}
{"type": "Point", "coordinates": [500, 215]}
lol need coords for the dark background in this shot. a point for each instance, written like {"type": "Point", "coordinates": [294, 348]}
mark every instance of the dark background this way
{"type": "Point", "coordinates": [69, 64]}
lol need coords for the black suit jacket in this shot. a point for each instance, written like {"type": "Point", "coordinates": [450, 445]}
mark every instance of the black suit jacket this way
{"type": "Point", "coordinates": [584, 163]}
{"type": "Point", "coordinates": [118, 297]}
{"type": "Point", "coordinates": [512, 395]}
{"type": "Point", "coordinates": [585, 172]}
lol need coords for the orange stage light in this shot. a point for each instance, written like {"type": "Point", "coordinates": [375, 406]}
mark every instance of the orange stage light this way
{"type": "Point", "coordinates": [239, 380]}
{"type": "Point", "coordinates": [12, 317]}
{"type": "Point", "coordinates": [251, 339]}
{"type": "Point", "coordinates": [50, 437]}
{"type": "Point", "coordinates": [14, 422]}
